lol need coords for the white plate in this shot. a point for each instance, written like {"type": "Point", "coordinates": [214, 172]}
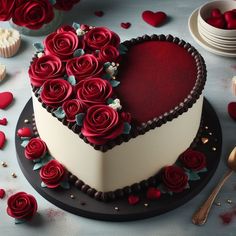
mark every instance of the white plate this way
{"type": "Point", "coordinates": [193, 28]}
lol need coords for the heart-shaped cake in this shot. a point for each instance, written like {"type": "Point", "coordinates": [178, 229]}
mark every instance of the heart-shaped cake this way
{"type": "Point", "coordinates": [115, 113]}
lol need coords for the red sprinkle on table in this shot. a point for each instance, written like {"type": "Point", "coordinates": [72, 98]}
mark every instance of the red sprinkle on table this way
{"type": "Point", "coordinates": [3, 121]}
{"type": "Point", "coordinates": [99, 13]}
{"type": "Point", "coordinates": [125, 25]}
{"type": "Point", "coordinates": [2, 193]}
{"type": "Point", "coordinates": [2, 139]}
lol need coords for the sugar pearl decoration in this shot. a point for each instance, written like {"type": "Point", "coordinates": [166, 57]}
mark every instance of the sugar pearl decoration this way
{"type": "Point", "coordinates": [26, 121]}
{"type": "Point", "coordinates": [214, 149]}
{"type": "Point", "coordinates": [204, 140]}
{"type": "Point", "coordinates": [217, 203]}
{"type": "Point", "coordinates": [4, 164]}
{"type": "Point", "coordinates": [72, 196]}
{"type": "Point", "coordinates": [14, 175]}
{"type": "Point", "coordinates": [116, 208]}
{"type": "Point", "coordinates": [146, 204]}
{"type": "Point", "coordinates": [229, 201]}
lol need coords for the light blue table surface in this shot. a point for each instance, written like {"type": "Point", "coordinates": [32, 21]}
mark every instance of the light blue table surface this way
{"type": "Point", "coordinates": [54, 221]}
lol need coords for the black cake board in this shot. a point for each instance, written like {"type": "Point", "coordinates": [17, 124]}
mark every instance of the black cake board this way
{"type": "Point", "coordinates": [120, 210]}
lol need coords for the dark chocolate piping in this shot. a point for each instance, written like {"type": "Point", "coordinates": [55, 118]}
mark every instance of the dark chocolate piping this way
{"type": "Point", "coordinates": [156, 121]}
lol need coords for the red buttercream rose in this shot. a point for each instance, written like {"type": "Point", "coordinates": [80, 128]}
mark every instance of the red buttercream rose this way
{"type": "Point", "coordinates": [99, 37]}
{"type": "Point", "coordinates": [66, 28]}
{"type": "Point", "coordinates": [83, 67]}
{"type": "Point", "coordinates": [45, 68]}
{"type": "Point", "coordinates": [72, 108]}
{"type": "Point", "coordinates": [101, 124]}
{"type": "Point", "coordinates": [62, 44]}
{"type": "Point", "coordinates": [55, 92]}
{"type": "Point", "coordinates": [52, 174]}
{"type": "Point", "coordinates": [35, 149]}
{"type": "Point", "coordinates": [65, 5]}
{"type": "Point", "coordinates": [174, 178]}
{"type": "Point", "coordinates": [6, 10]}
{"type": "Point", "coordinates": [126, 116]}
{"type": "Point", "coordinates": [193, 160]}
{"type": "Point", "coordinates": [33, 14]}
{"type": "Point", "coordinates": [94, 91]}
{"type": "Point", "coordinates": [21, 206]}
{"type": "Point", "coordinates": [108, 53]}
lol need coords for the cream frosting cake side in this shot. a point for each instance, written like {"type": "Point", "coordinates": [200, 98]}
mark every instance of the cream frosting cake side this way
{"type": "Point", "coordinates": [123, 165]}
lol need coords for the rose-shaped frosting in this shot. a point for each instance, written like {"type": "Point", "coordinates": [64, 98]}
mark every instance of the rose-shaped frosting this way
{"type": "Point", "coordinates": [108, 53]}
{"type": "Point", "coordinates": [35, 149]}
{"type": "Point", "coordinates": [33, 14]}
{"type": "Point", "coordinates": [6, 9]}
{"type": "Point", "coordinates": [193, 160]}
{"type": "Point", "coordinates": [65, 5]}
{"type": "Point", "coordinates": [52, 174]}
{"type": "Point", "coordinates": [101, 124]}
{"type": "Point", "coordinates": [21, 206]}
{"type": "Point", "coordinates": [72, 108]}
{"type": "Point", "coordinates": [66, 28]}
{"type": "Point", "coordinates": [99, 37]}
{"type": "Point", "coordinates": [55, 92]}
{"type": "Point", "coordinates": [94, 91]}
{"type": "Point", "coordinates": [45, 68]}
{"type": "Point", "coordinates": [62, 44]}
{"type": "Point", "coordinates": [83, 67]}
{"type": "Point", "coordinates": [174, 178]}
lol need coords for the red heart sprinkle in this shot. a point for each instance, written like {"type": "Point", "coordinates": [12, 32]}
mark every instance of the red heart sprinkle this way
{"type": "Point", "coordinates": [125, 25]}
{"type": "Point", "coordinates": [2, 139]}
{"type": "Point", "coordinates": [133, 199]}
{"type": "Point", "coordinates": [154, 18]}
{"type": "Point", "coordinates": [218, 22]}
{"type": "Point", "coordinates": [153, 193]}
{"type": "Point", "coordinates": [3, 121]}
{"type": "Point", "coordinates": [232, 110]}
{"type": "Point", "coordinates": [2, 193]}
{"type": "Point", "coordinates": [24, 132]}
{"type": "Point", "coordinates": [6, 99]}
{"type": "Point", "coordinates": [216, 13]}
{"type": "Point", "coordinates": [99, 13]}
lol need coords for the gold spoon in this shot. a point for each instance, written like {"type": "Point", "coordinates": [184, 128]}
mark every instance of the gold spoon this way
{"type": "Point", "coordinates": [200, 216]}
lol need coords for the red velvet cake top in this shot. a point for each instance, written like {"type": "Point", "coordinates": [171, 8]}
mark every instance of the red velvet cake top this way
{"type": "Point", "coordinates": [155, 77]}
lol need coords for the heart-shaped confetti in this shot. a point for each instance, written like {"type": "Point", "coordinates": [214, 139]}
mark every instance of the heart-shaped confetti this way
{"type": "Point", "coordinates": [232, 110]}
{"type": "Point", "coordinates": [24, 132]}
{"type": "Point", "coordinates": [3, 121]}
{"type": "Point", "coordinates": [2, 193]}
{"type": "Point", "coordinates": [153, 193]}
{"type": "Point", "coordinates": [2, 139]}
{"type": "Point", "coordinates": [154, 18]}
{"type": "Point", "coordinates": [133, 199]}
{"type": "Point", "coordinates": [6, 99]}
{"type": "Point", "coordinates": [99, 13]}
{"type": "Point", "coordinates": [125, 25]}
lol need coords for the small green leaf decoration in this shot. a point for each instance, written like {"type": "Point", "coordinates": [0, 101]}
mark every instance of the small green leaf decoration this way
{"type": "Point", "coordinates": [38, 166]}
{"type": "Point", "coordinates": [162, 188]}
{"type": "Point", "coordinates": [43, 185]}
{"type": "Point", "coordinates": [53, 2]}
{"type": "Point", "coordinates": [106, 65]}
{"type": "Point", "coordinates": [107, 77]}
{"type": "Point", "coordinates": [19, 221]}
{"type": "Point", "coordinates": [65, 185]}
{"type": "Point", "coordinates": [39, 47]}
{"type": "Point", "coordinates": [25, 138]}
{"type": "Point", "coordinates": [59, 113]}
{"type": "Point", "coordinates": [202, 170]}
{"type": "Point", "coordinates": [127, 128]}
{"type": "Point", "coordinates": [24, 143]}
{"type": "Point", "coordinates": [79, 119]}
{"type": "Point", "coordinates": [122, 49]}
{"type": "Point", "coordinates": [46, 159]}
{"type": "Point", "coordinates": [40, 90]}
{"type": "Point", "coordinates": [110, 101]}
{"type": "Point", "coordinates": [76, 26]}
{"type": "Point", "coordinates": [71, 79]}
{"type": "Point", "coordinates": [114, 83]}
{"type": "Point", "coordinates": [79, 52]}
{"type": "Point", "coordinates": [192, 175]}
{"type": "Point", "coordinates": [37, 160]}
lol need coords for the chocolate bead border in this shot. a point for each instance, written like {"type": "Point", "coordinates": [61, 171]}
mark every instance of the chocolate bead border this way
{"type": "Point", "coordinates": [156, 121]}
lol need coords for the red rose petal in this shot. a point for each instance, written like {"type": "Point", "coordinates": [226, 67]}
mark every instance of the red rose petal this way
{"type": "Point", "coordinates": [2, 139]}
{"type": "Point", "coordinates": [99, 13]}
{"type": "Point", "coordinates": [232, 110]}
{"type": "Point", "coordinates": [153, 193]}
{"type": "Point", "coordinates": [154, 18]}
{"type": "Point", "coordinates": [2, 193]}
{"type": "Point", "coordinates": [24, 132]}
{"type": "Point", "coordinates": [133, 199]}
{"type": "Point", "coordinates": [6, 99]}
{"type": "Point", "coordinates": [3, 121]}
{"type": "Point", "coordinates": [125, 25]}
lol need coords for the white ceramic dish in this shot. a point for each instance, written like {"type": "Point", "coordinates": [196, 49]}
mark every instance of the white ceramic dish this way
{"type": "Point", "coordinates": [193, 28]}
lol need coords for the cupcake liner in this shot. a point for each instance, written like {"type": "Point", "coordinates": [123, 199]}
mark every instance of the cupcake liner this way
{"type": "Point", "coordinates": [2, 72]}
{"type": "Point", "coordinates": [10, 41]}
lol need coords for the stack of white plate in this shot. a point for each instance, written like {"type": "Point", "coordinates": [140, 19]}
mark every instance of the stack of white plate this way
{"type": "Point", "coordinates": [222, 39]}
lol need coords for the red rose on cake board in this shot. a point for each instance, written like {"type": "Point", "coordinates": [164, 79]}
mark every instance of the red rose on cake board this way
{"type": "Point", "coordinates": [35, 149]}
{"type": "Point", "coordinates": [6, 10]}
